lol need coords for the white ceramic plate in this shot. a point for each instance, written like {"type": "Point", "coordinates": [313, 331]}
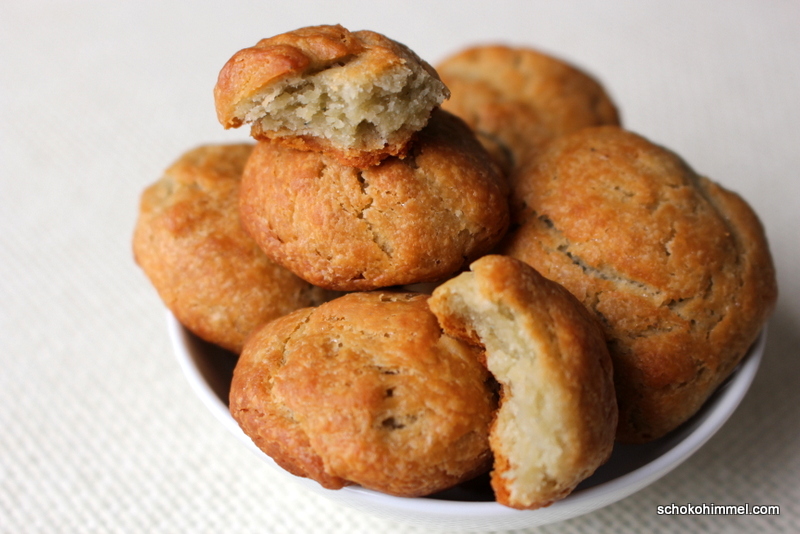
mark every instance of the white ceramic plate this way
{"type": "Point", "coordinates": [469, 506]}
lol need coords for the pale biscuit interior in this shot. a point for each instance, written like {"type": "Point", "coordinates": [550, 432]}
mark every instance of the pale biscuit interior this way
{"type": "Point", "coordinates": [557, 414]}
{"type": "Point", "coordinates": [351, 112]}
{"type": "Point", "coordinates": [533, 450]}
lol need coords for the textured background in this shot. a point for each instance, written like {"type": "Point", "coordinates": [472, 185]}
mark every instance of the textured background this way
{"type": "Point", "coordinates": [99, 431]}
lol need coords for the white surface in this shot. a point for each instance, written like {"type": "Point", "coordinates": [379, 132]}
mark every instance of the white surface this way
{"type": "Point", "coordinates": [617, 481]}
{"type": "Point", "coordinates": [99, 430]}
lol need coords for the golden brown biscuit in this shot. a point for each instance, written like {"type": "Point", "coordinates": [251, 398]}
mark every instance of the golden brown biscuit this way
{"type": "Point", "coordinates": [358, 96]}
{"type": "Point", "coordinates": [558, 412]}
{"type": "Point", "coordinates": [406, 221]}
{"type": "Point", "coordinates": [207, 270]}
{"type": "Point", "coordinates": [366, 389]}
{"type": "Point", "coordinates": [676, 267]}
{"type": "Point", "coordinates": [517, 99]}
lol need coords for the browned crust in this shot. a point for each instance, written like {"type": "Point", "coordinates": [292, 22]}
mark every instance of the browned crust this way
{"type": "Point", "coordinates": [677, 269]}
{"type": "Point", "coordinates": [366, 389]}
{"type": "Point", "coordinates": [271, 426]}
{"type": "Point", "coordinates": [406, 221]}
{"type": "Point", "coordinates": [349, 157]}
{"type": "Point", "coordinates": [522, 98]}
{"type": "Point", "coordinates": [206, 269]}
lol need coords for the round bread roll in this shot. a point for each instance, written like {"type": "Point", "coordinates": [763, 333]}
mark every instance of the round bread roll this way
{"type": "Point", "coordinates": [366, 389]}
{"type": "Point", "coordinates": [558, 414]}
{"type": "Point", "coordinates": [405, 221]}
{"type": "Point", "coordinates": [358, 96]}
{"type": "Point", "coordinates": [517, 99]}
{"type": "Point", "coordinates": [676, 268]}
{"type": "Point", "coordinates": [206, 269]}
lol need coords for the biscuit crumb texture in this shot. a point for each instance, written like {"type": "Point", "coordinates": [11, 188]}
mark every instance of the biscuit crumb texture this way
{"type": "Point", "coordinates": [359, 95]}
{"type": "Point", "coordinates": [361, 113]}
{"type": "Point", "coordinates": [557, 414]}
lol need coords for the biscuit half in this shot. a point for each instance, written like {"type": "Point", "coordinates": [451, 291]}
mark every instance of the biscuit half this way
{"type": "Point", "coordinates": [558, 414]}
{"type": "Point", "coordinates": [359, 96]}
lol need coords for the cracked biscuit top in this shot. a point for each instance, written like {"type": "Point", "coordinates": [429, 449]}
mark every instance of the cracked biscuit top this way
{"type": "Point", "coordinates": [366, 389]}
{"type": "Point", "coordinates": [356, 95]}
{"type": "Point", "coordinates": [206, 269]}
{"type": "Point", "coordinates": [405, 221]}
{"type": "Point", "coordinates": [676, 267]}
{"type": "Point", "coordinates": [516, 99]}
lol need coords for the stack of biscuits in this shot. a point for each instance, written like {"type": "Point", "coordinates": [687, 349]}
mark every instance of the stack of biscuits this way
{"type": "Point", "coordinates": [431, 274]}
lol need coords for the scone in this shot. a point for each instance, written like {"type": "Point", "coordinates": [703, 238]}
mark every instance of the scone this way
{"type": "Point", "coordinates": [405, 221]}
{"type": "Point", "coordinates": [676, 267]}
{"type": "Point", "coordinates": [558, 415]}
{"type": "Point", "coordinates": [359, 96]}
{"type": "Point", "coordinates": [366, 389]}
{"type": "Point", "coordinates": [206, 269]}
{"type": "Point", "coordinates": [517, 99]}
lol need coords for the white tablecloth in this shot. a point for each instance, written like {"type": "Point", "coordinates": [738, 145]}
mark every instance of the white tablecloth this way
{"type": "Point", "coordinates": [99, 431]}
